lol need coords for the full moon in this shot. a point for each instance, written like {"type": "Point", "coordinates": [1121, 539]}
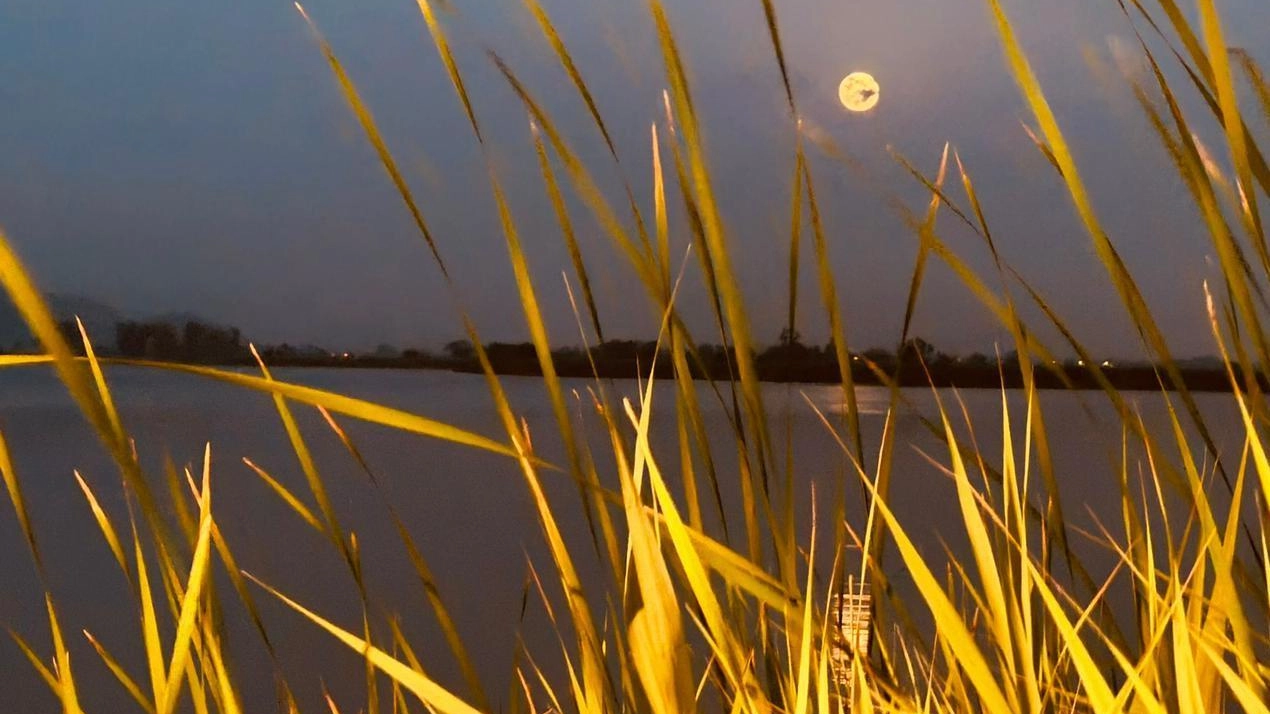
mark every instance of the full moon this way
{"type": "Point", "coordinates": [858, 92]}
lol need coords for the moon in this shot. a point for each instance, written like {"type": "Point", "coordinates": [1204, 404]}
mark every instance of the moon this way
{"type": "Point", "coordinates": [858, 92]}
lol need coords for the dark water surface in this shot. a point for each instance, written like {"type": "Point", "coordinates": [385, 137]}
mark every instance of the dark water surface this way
{"type": "Point", "coordinates": [469, 511]}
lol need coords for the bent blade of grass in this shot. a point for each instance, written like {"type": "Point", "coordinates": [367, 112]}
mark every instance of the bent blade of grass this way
{"type": "Point", "coordinates": [372, 133]}
{"type": "Point", "coordinates": [1235, 268]}
{"type": "Point", "coordinates": [367, 120]}
{"type": "Point", "coordinates": [338, 403]}
{"type": "Point", "coordinates": [570, 68]}
{"type": "Point", "coordinates": [103, 522]}
{"type": "Point", "coordinates": [566, 231]}
{"type": "Point", "coordinates": [14, 487]}
{"type": "Point", "coordinates": [37, 664]}
{"type": "Point", "coordinates": [107, 402]}
{"type": "Point", "coordinates": [125, 680]}
{"type": "Point", "coordinates": [773, 31]}
{"type": "Point", "coordinates": [451, 67]}
{"type": "Point", "coordinates": [431, 694]}
{"type": "Point", "coordinates": [1252, 71]}
{"type": "Point", "coordinates": [287, 497]}
{"type": "Point", "coordinates": [35, 312]}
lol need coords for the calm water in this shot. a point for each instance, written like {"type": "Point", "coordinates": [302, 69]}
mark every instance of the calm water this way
{"type": "Point", "coordinates": [469, 511]}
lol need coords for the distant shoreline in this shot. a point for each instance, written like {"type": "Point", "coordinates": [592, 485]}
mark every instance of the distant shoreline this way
{"type": "Point", "coordinates": [914, 363]}
{"type": "Point", "coordinates": [1062, 377]}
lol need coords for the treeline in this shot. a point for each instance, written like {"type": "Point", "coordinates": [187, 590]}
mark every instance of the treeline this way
{"type": "Point", "coordinates": [192, 341]}
{"type": "Point", "coordinates": [916, 363]}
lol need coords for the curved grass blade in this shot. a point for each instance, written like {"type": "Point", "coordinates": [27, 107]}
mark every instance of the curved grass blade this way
{"type": "Point", "coordinates": [769, 13]}
{"type": "Point", "coordinates": [431, 694]}
{"type": "Point", "coordinates": [367, 121]}
{"type": "Point", "coordinates": [103, 522]}
{"type": "Point", "coordinates": [338, 403]}
{"type": "Point", "coordinates": [121, 675]}
{"type": "Point", "coordinates": [566, 231]}
{"type": "Point", "coordinates": [287, 497]}
{"type": "Point", "coordinates": [570, 68]}
{"type": "Point", "coordinates": [36, 663]}
{"type": "Point", "coordinates": [14, 486]}
{"type": "Point", "coordinates": [1252, 71]}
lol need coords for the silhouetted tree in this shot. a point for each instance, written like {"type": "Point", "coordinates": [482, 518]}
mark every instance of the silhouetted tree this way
{"type": "Point", "coordinates": [915, 348]}
{"type": "Point", "coordinates": [882, 358]}
{"type": "Point", "coordinates": [979, 361]}
{"type": "Point", "coordinates": [212, 344]}
{"type": "Point", "coordinates": [147, 340]}
{"type": "Point", "coordinates": [513, 358]}
{"type": "Point", "coordinates": [460, 351]}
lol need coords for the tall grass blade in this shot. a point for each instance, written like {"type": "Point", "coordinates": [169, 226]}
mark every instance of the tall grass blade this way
{"type": "Point", "coordinates": [191, 602]}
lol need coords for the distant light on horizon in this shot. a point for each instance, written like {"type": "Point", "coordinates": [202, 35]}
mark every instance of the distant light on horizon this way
{"type": "Point", "coordinates": [858, 92]}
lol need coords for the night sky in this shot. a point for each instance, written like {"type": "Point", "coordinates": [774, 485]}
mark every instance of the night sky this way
{"type": "Point", "coordinates": [163, 156]}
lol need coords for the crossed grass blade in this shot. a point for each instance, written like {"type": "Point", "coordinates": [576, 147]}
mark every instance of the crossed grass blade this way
{"type": "Point", "coordinates": [426, 578]}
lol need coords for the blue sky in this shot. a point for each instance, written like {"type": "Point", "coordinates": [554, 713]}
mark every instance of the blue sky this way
{"type": "Point", "coordinates": [197, 156]}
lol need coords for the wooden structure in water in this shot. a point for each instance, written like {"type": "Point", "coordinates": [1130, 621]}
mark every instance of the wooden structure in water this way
{"type": "Point", "coordinates": [850, 610]}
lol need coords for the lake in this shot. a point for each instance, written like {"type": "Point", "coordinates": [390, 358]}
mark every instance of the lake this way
{"type": "Point", "coordinates": [469, 511]}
